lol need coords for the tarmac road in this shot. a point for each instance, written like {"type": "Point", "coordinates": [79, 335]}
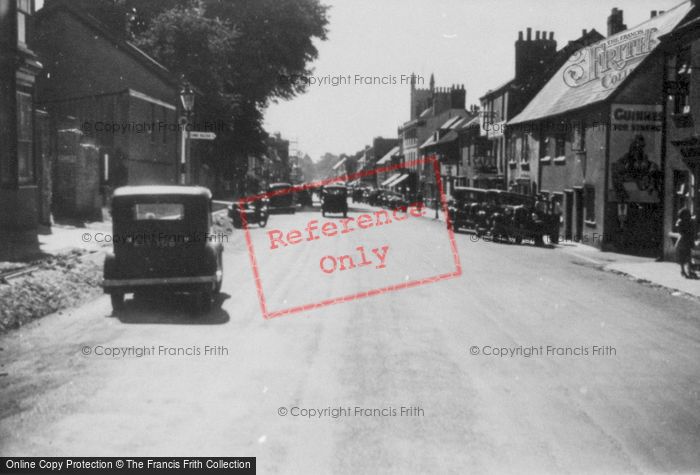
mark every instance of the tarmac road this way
{"type": "Point", "coordinates": [633, 406]}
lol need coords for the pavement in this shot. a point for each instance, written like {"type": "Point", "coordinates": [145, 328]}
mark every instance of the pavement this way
{"type": "Point", "coordinates": [533, 360]}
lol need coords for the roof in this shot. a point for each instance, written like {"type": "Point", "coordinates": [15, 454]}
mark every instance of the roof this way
{"type": "Point", "coordinates": [154, 190]}
{"type": "Point", "coordinates": [498, 89]}
{"type": "Point", "coordinates": [122, 44]}
{"type": "Point", "coordinates": [387, 158]}
{"type": "Point", "coordinates": [582, 81]}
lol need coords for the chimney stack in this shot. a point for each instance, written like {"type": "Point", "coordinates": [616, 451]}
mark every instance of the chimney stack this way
{"type": "Point", "coordinates": [653, 13]}
{"type": "Point", "coordinates": [529, 34]}
{"type": "Point", "coordinates": [615, 22]}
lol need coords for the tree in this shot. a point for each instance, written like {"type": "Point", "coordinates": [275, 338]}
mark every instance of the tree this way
{"type": "Point", "coordinates": [239, 55]}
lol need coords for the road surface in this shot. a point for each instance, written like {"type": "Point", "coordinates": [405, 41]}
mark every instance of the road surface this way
{"type": "Point", "coordinates": [634, 406]}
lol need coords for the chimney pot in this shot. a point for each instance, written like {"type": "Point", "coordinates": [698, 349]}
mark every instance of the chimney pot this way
{"type": "Point", "coordinates": [520, 36]}
{"type": "Point", "coordinates": [551, 36]}
{"type": "Point", "coordinates": [584, 32]}
{"type": "Point", "coordinates": [653, 13]}
{"type": "Point", "coordinates": [537, 35]}
{"type": "Point", "coordinates": [529, 34]}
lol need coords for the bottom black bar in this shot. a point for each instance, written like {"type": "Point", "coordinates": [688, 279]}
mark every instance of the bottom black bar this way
{"type": "Point", "coordinates": [126, 465]}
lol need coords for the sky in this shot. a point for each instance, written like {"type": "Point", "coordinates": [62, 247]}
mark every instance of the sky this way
{"type": "Point", "coordinates": [466, 42]}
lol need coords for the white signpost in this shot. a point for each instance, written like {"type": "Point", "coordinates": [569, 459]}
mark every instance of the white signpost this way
{"type": "Point", "coordinates": [202, 135]}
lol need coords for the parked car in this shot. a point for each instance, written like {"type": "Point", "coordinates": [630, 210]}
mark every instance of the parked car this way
{"type": "Point", "coordinates": [256, 212]}
{"type": "Point", "coordinates": [334, 199]}
{"type": "Point", "coordinates": [394, 200]}
{"type": "Point", "coordinates": [464, 206]}
{"type": "Point", "coordinates": [161, 242]}
{"type": "Point", "coordinates": [374, 197]}
{"type": "Point", "coordinates": [520, 217]}
{"type": "Point", "coordinates": [280, 202]}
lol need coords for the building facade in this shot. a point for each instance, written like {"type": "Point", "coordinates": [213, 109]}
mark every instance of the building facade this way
{"type": "Point", "coordinates": [21, 153]}
{"type": "Point", "coordinates": [115, 111]}
{"type": "Point", "coordinates": [682, 128]}
{"type": "Point", "coordinates": [598, 138]}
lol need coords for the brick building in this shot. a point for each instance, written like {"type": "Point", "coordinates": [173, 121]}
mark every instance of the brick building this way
{"type": "Point", "coordinates": [682, 127]}
{"type": "Point", "coordinates": [595, 130]}
{"type": "Point", "coordinates": [122, 106]}
{"type": "Point", "coordinates": [22, 151]}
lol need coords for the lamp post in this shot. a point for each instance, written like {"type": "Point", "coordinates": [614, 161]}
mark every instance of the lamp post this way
{"type": "Point", "coordinates": [187, 99]}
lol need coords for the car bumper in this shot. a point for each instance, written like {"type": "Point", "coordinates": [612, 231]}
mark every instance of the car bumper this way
{"type": "Point", "coordinates": [127, 284]}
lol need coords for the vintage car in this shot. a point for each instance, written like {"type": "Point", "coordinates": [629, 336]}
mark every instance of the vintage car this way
{"type": "Point", "coordinates": [256, 212]}
{"type": "Point", "coordinates": [374, 196]}
{"type": "Point", "coordinates": [464, 206]}
{"type": "Point", "coordinates": [162, 241]}
{"type": "Point", "coordinates": [520, 217]}
{"type": "Point", "coordinates": [334, 199]}
{"type": "Point", "coordinates": [394, 200]}
{"type": "Point", "coordinates": [280, 202]}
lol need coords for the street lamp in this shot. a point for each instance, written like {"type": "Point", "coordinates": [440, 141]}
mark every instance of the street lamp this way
{"type": "Point", "coordinates": [187, 99]}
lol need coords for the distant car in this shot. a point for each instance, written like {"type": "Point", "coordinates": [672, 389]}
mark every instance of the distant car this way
{"type": "Point", "coordinates": [280, 202]}
{"type": "Point", "coordinates": [256, 212]}
{"type": "Point", "coordinates": [334, 199]}
{"type": "Point", "coordinates": [161, 242]}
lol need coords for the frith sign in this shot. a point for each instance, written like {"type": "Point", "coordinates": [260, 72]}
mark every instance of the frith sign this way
{"type": "Point", "coordinates": [609, 61]}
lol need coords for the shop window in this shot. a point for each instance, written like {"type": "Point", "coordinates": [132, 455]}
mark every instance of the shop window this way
{"type": "Point", "coordinates": [25, 155]}
{"type": "Point", "coordinates": [589, 203]}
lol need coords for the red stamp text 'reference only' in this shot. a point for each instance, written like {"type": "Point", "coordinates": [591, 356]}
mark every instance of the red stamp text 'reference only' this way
{"type": "Point", "coordinates": [348, 258]}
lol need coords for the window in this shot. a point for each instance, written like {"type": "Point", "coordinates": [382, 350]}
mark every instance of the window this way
{"type": "Point", "coordinates": [681, 103]}
{"type": "Point", "coordinates": [589, 203]}
{"type": "Point", "coordinates": [25, 155]}
{"type": "Point", "coordinates": [152, 126]}
{"type": "Point", "coordinates": [24, 9]}
{"type": "Point", "coordinates": [560, 144]}
{"type": "Point", "coordinates": [164, 126]}
{"type": "Point", "coordinates": [578, 141]}
{"type": "Point", "coordinates": [543, 141]}
{"type": "Point", "coordinates": [525, 151]}
{"type": "Point", "coordinates": [159, 211]}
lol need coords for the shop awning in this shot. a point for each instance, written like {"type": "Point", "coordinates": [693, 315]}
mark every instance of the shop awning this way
{"type": "Point", "coordinates": [396, 182]}
{"type": "Point", "coordinates": [581, 82]}
{"type": "Point", "coordinates": [387, 158]}
{"type": "Point", "coordinates": [337, 165]}
{"type": "Point", "coordinates": [390, 179]}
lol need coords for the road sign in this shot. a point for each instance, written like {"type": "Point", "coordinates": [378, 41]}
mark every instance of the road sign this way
{"type": "Point", "coordinates": [202, 135]}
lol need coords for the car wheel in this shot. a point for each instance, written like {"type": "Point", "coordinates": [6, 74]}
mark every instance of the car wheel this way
{"type": "Point", "coordinates": [345, 214]}
{"type": "Point", "coordinates": [263, 222]}
{"type": "Point", "coordinates": [237, 224]}
{"type": "Point", "coordinates": [202, 302]}
{"type": "Point", "coordinates": [518, 240]}
{"type": "Point", "coordinates": [117, 302]}
{"type": "Point", "coordinates": [323, 213]}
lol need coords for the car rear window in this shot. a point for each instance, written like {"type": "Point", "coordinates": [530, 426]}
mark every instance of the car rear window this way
{"type": "Point", "coordinates": [159, 211]}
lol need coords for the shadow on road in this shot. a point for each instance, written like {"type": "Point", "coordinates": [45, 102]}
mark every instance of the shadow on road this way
{"type": "Point", "coordinates": [172, 309]}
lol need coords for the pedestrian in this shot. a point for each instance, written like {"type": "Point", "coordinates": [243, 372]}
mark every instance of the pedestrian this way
{"type": "Point", "coordinates": [686, 242]}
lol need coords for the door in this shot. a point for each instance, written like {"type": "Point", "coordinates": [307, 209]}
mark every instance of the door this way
{"type": "Point", "coordinates": [578, 201]}
{"type": "Point", "coordinates": [568, 214]}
